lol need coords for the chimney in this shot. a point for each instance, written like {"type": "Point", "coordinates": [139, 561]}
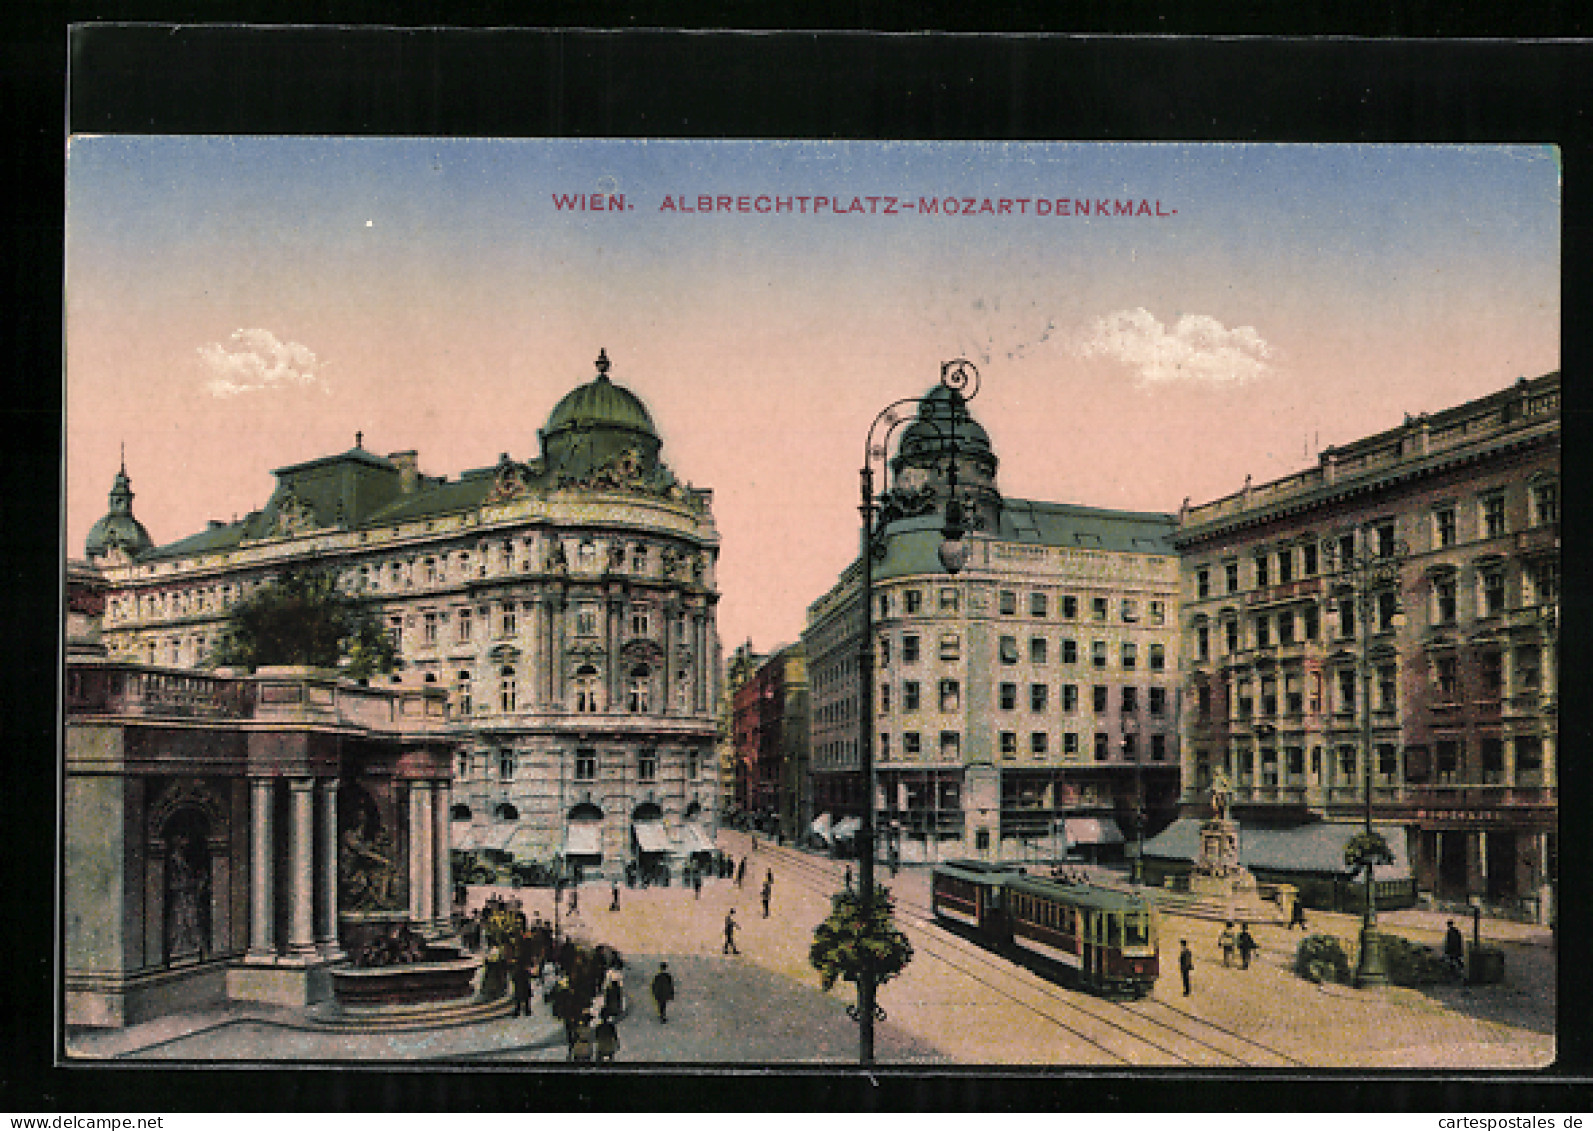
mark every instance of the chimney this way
{"type": "Point", "coordinates": [408, 464]}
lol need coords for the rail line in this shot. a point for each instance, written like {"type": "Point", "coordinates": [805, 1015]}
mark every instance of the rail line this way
{"type": "Point", "coordinates": [1218, 1041]}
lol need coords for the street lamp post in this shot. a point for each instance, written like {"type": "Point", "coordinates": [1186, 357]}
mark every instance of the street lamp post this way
{"type": "Point", "coordinates": [958, 376]}
{"type": "Point", "coordinates": [1368, 571]}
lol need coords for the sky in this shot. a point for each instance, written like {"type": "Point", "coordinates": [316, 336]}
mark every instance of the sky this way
{"type": "Point", "coordinates": [239, 304]}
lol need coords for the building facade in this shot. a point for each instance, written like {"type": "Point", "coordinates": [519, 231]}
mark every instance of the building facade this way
{"type": "Point", "coordinates": [1460, 651]}
{"type": "Point", "coordinates": [1025, 707]}
{"type": "Point", "coordinates": [771, 726]}
{"type": "Point", "coordinates": [564, 603]}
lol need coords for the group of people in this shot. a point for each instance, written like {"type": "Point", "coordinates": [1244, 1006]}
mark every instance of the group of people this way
{"type": "Point", "coordinates": [1230, 942]}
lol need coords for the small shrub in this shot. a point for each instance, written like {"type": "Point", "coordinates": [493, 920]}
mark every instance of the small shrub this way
{"type": "Point", "coordinates": [1321, 958]}
{"type": "Point", "coordinates": [1409, 964]}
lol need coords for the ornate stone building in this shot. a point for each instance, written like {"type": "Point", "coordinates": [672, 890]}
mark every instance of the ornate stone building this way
{"type": "Point", "coordinates": [563, 603]}
{"type": "Point", "coordinates": [1461, 647]}
{"type": "Point", "coordinates": [1027, 705]}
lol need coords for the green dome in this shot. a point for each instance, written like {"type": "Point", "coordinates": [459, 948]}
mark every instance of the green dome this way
{"type": "Point", "coordinates": [601, 404]}
{"type": "Point", "coordinates": [118, 528]}
{"type": "Point", "coordinates": [942, 417]}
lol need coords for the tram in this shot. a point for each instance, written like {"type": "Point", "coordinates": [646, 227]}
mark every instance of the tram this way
{"type": "Point", "coordinates": [1102, 940]}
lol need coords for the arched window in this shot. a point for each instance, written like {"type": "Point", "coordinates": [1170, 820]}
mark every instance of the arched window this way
{"type": "Point", "coordinates": [506, 812]}
{"type": "Point", "coordinates": [506, 696]}
{"type": "Point", "coordinates": [640, 701]}
{"type": "Point", "coordinates": [586, 690]}
{"type": "Point", "coordinates": [460, 812]}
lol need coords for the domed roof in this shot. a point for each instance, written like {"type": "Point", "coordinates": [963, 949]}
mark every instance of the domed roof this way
{"type": "Point", "coordinates": [943, 417]}
{"type": "Point", "coordinates": [601, 404]}
{"type": "Point", "coordinates": [118, 529]}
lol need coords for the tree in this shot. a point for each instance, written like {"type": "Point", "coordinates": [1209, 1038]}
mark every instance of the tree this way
{"type": "Point", "coordinates": [846, 945]}
{"type": "Point", "coordinates": [302, 617]}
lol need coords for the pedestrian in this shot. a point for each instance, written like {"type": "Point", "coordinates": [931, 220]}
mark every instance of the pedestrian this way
{"type": "Point", "coordinates": [730, 934]}
{"type": "Point", "coordinates": [613, 895]}
{"type": "Point", "coordinates": [663, 991]}
{"type": "Point", "coordinates": [1247, 945]}
{"type": "Point", "coordinates": [1454, 948]}
{"type": "Point", "coordinates": [518, 952]}
{"type": "Point", "coordinates": [1226, 941]}
{"type": "Point", "coordinates": [741, 872]}
{"type": "Point", "coordinates": [613, 995]}
{"type": "Point", "coordinates": [581, 1042]}
{"type": "Point", "coordinates": [768, 890]}
{"type": "Point", "coordinates": [1297, 915]}
{"type": "Point", "coordinates": [1186, 963]}
{"type": "Point", "coordinates": [606, 1040]}
{"type": "Point", "coordinates": [696, 883]}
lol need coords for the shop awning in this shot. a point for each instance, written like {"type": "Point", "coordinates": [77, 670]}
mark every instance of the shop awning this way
{"type": "Point", "coordinates": [462, 835]}
{"type": "Point", "coordinates": [583, 838]}
{"type": "Point", "coordinates": [821, 827]}
{"type": "Point", "coordinates": [1093, 830]}
{"type": "Point", "coordinates": [652, 837]}
{"type": "Point", "coordinates": [523, 842]}
{"type": "Point", "coordinates": [694, 838]}
{"type": "Point", "coordinates": [846, 828]}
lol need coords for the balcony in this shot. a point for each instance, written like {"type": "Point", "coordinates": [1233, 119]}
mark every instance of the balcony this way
{"type": "Point", "coordinates": [1286, 591]}
{"type": "Point", "coordinates": [155, 693]}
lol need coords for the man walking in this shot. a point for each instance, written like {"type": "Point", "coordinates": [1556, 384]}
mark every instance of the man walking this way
{"type": "Point", "coordinates": [768, 890]}
{"type": "Point", "coordinates": [1186, 963]}
{"type": "Point", "coordinates": [741, 871]}
{"type": "Point", "coordinates": [1226, 942]}
{"type": "Point", "coordinates": [1247, 946]}
{"type": "Point", "coordinates": [730, 934]}
{"type": "Point", "coordinates": [1454, 948]}
{"type": "Point", "coordinates": [663, 991]}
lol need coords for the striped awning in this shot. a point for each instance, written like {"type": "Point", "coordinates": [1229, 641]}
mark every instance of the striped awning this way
{"type": "Point", "coordinates": [651, 836]}
{"type": "Point", "coordinates": [693, 838]}
{"type": "Point", "coordinates": [583, 838]}
{"type": "Point", "coordinates": [1093, 830]}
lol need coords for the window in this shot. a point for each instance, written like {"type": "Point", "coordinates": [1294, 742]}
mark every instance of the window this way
{"type": "Point", "coordinates": [1285, 566]}
{"type": "Point", "coordinates": [1492, 760]}
{"type": "Point", "coordinates": [910, 648]}
{"type": "Point", "coordinates": [1037, 604]}
{"type": "Point", "coordinates": [1308, 559]}
{"type": "Point", "coordinates": [1101, 746]}
{"type": "Point", "coordinates": [691, 765]}
{"type": "Point", "coordinates": [1444, 604]}
{"type": "Point", "coordinates": [1346, 607]}
{"type": "Point", "coordinates": [948, 600]}
{"type": "Point", "coordinates": [1038, 743]}
{"type": "Point", "coordinates": [1544, 577]}
{"type": "Point", "coordinates": [1263, 632]}
{"type": "Point", "coordinates": [1129, 610]}
{"type": "Point", "coordinates": [1203, 701]}
{"type": "Point", "coordinates": [884, 698]}
{"type": "Point", "coordinates": [1529, 755]}
{"type": "Point", "coordinates": [1037, 649]}
{"type": "Point", "coordinates": [465, 625]}
{"type": "Point", "coordinates": [464, 763]}
{"type": "Point", "coordinates": [1230, 629]}
{"type": "Point", "coordinates": [950, 744]}
{"type": "Point", "coordinates": [647, 765]}
{"type": "Point", "coordinates": [884, 746]}
{"type": "Point", "coordinates": [1158, 701]}
{"type": "Point", "coordinates": [1070, 744]}
{"type": "Point", "coordinates": [1008, 602]}
{"type": "Point", "coordinates": [1070, 697]}
{"type": "Point", "coordinates": [913, 601]}
{"type": "Point", "coordinates": [910, 695]}
{"type": "Point", "coordinates": [1202, 642]}
{"type": "Point", "coordinates": [586, 689]}
{"type": "Point", "coordinates": [395, 633]}
{"type": "Point", "coordinates": [1099, 700]}
{"type": "Point", "coordinates": [1293, 696]}
{"type": "Point", "coordinates": [1158, 748]}
{"type": "Point", "coordinates": [1286, 627]}
{"type": "Point", "coordinates": [1546, 504]}
{"type": "Point", "coordinates": [1158, 612]}
{"type": "Point", "coordinates": [1158, 657]}
{"type": "Point", "coordinates": [507, 623]}
{"type": "Point", "coordinates": [463, 691]}
{"type": "Point", "coordinates": [639, 700]}
{"type": "Point", "coordinates": [1009, 744]}
{"type": "Point", "coordinates": [1203, 583]}
{"type": "Point", "coordinates": [1131, 747]}
{"type": "Point", "coordinates": [1130, 654]}
{"type": "Point", "coordinates": [1098, 653]}
{"type": "Point", "coordinates": [1527, 670]}
{"type": "Point", "coordinates": [884, 605]}
{"type": "Point", "coordinates": [1070, 651]}
{"type": "Point", "coordinates": [884, 651]}
{"type": "Point", "coordinates": [1384, 535]}
{"type": "Point", "coordinates": [641, 622]}
{"type": "Point", "coordinates": [1244, 699]}
{"type": "Point", "coordinates": [1070, 607]}
{"type": "Point", "coordinates": [912, 744]}
{"type": "Point", "coordinates": [1490, 665]}
{"type": "Point", "coordinates": [1009, 696]}
{"type": "Point", "coordinates": [1009, 649]}
{"type": "Point", "coordinates": [1130, 700]}
{"type": "Point", "coordinates": [1346, 691]}
{"type": "Point", "coordinates": [505, 765]}
{"type": "Point", "coordinates": [1310, 622]}
{"type": "Point", "coordinates": [1493, 591]}
{"type": "Point", "coordinates": [1039, 694]}
{"type": "Point", "coordinates": [1445, 681]}
{"type": "Point", "coordinates": [1231, 573]}
{"type": "Point", "coordinates": [428, 628]}
{"type": "Point", "coordinates": [1444, 526]}
{"type": "Point", "coordinates": [1099, 608]}
{"type": "Point", "coordinates": [1448, 759]}
{"type": "Point", "coordinates": [950, 695]}
{"type": "Point", "coordinates": [506, 697]}
{"type": "Point", "coordinates": [1262, 578]}
{"type": "Point", "coordinates": [586, 764]}
{"type": "Point", "coordinates": [1493, 515]}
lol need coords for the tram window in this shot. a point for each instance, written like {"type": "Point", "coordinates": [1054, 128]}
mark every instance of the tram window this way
{"type": "Point", "coordinates": [1114, 931]}
{"type": "Point", "coordinates": [1136, 931]}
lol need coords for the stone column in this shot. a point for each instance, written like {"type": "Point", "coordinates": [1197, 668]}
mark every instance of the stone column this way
{"type": "Point", "coordinates": [1509, 754]}
{"type": "Point", "coordinates": [220, 941]}
{"type": "Point", "coordinates": [262, 888]}
{"type": "Point", "coordinates": [301, 856]}
{"type": "Point", "coordinates": [442, 879]}
{"type": "Point", "coordinates": [416, 870]}
{"type": "Point", "coordinates": [539, 651]}
{"type": "Point", "coordinates": [326, 930]}
{"type": "Point", "coordinates": [667, 612]}
{"type": "Point", "coordinates": [699, 646]}
{"type": "Point", "coordinates": [556, 673]}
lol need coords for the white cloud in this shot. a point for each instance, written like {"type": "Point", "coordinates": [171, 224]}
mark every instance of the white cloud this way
{"type": "Point", "coordinates": [1196, 348]}
{"type": "Point", "coordinates": [254, 360]}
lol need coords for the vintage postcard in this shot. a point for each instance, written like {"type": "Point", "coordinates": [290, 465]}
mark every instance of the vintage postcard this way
{"type": "Point", "coordinates": [480, 651]}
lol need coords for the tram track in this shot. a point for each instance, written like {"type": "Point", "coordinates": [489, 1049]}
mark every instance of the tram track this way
{"type": "Point", "coordinates": [1185, 1039]}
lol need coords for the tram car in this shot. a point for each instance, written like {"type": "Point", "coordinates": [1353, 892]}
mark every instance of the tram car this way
{"type": "Point", "coordinates": [1099, 939]}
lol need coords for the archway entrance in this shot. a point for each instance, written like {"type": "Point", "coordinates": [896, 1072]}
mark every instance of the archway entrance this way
{"type": "Point", "coordinates": [650, 844]}
{"type": "Point", "coordinates": [583, 838]}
